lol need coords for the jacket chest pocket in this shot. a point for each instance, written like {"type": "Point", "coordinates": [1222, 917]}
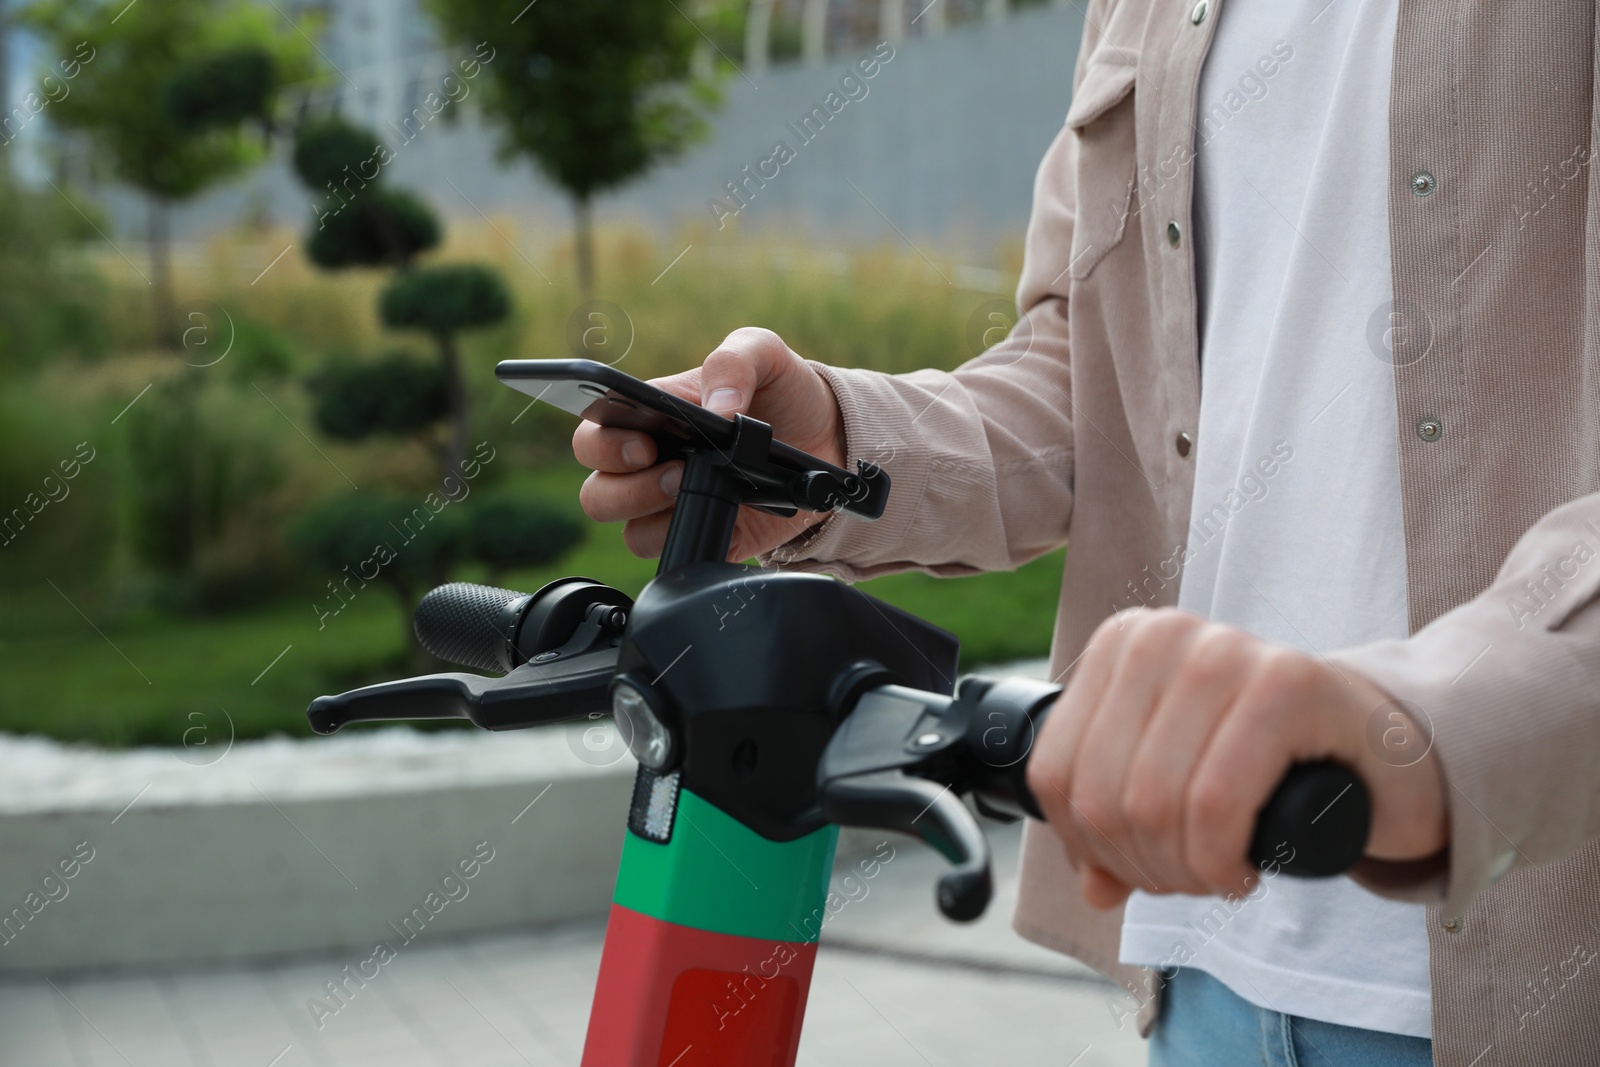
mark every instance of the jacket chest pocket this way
{"type": "Point", "coordinates": [1102, 119]}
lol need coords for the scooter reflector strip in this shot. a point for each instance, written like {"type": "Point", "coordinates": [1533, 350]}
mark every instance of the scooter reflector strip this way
{"type": "Point", "coordinates": [718, 874]}
{"type": "Point", "coordinates": [655, 802]}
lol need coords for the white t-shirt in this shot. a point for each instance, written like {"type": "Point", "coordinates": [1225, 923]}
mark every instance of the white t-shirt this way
{"type": "Point", "coordinates": [1296, 525]}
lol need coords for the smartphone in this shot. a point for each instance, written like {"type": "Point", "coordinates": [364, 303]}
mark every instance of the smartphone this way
{"type": "Point", "coordinates": [604, 395]}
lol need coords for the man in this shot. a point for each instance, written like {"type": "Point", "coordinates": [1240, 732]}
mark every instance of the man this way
{"type": "Point", "coordinates": [1367, 226]}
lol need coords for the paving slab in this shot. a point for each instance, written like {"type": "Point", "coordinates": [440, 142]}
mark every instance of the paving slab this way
{"type": "Point", "coordinates": [894, 984]}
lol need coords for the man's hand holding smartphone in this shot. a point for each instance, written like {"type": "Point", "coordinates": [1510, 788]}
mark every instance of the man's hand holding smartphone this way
{"type": "Point", "coordinates": [751, 373]}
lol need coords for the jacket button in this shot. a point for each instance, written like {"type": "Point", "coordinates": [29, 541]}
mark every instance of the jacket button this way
{"type": "Point", "coordinates": [1198, 15]}
{"type": "Point", "coordinates": [1455, 925]}
{"type": "Point", "coordinates": [1430, 429]}
{"type": "Point", "coordinates": [1174, 234]}
{"type": "Point", "coordinates": [1185, 443]}
{"type": "Point", "coordinates": [1423, 183]}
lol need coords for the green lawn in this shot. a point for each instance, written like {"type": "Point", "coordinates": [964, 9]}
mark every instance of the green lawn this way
{"type": "Point", "coordinates": [147, 678]}
{"type": "Point", "coordinates": [243, 470]}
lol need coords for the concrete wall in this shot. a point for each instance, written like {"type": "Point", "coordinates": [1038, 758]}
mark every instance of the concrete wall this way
{"type": "Point", "coordinates": [326, 849]}
{"type": "Point", "coordinates": [943, 145]}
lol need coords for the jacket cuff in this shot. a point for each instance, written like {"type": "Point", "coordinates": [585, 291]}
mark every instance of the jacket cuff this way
{"type": "Point", "coordinates": [874, 414]}
{"type": "Point", "coordinates": [1507, 698]}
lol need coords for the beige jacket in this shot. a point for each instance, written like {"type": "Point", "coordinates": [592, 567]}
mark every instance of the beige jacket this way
{"type": "Point", "coordinates": [1079, 427]}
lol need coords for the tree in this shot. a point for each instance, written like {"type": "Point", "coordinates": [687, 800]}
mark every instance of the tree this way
{"type": "Point", "coordinates": [364, 223]}
{"type": "Point", "coordinates": [596, 92]}
{"type": "Point", "coordinates": [175, 95]}
{"type": "Point", "coordinates": [442, 301]}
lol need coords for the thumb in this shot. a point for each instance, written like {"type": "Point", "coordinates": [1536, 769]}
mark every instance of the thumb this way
{"type": "Point", "coordinates": [745, 362]}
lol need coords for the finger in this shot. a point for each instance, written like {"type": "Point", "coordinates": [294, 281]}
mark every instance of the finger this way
{"type": "Point", "coordinates": [1152, 655]}
{"type": "Point", "coordinates": [1268, 726]}
{"type": "Point", "coordinates": [1214, 668]}
{"type": "Point", "coordinates": [620, 497]}
{"type": "Point", "coordinates": [1102, 890]}
{"type": "Point", "coordinates": [645, 537]}
{"type": "Point", "coordinates": [1050, 767]}
{"type": "Point", "coordinates": [741, 546]}
{"type": "Point", "coordinates": [756, 532]}
{"type": "Point", "coordinates": [613, 450]}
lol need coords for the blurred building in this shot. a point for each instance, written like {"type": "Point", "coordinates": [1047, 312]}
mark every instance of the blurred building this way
{"type": "Point", "coordinates": [386, 52]}
{"type": "Point", "coordinates": [943, 146]}
{"type": "Point", "coordinates": [388, 47]}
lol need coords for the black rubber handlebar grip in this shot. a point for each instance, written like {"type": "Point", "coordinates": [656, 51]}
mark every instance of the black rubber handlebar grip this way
{"type": "Point", "coordinates": [1315, 824]}
{"type": "Point", "coordinates": [471, 625]}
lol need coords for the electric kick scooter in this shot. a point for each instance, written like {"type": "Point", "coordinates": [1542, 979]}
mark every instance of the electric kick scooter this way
{"type": "Point", "coordinates": [765, 709]}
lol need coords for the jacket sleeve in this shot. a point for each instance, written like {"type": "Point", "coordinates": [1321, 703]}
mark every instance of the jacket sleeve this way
{"type": "Point", "coordinates": [1509, 686]}
{"type": "Point", "coordinates": [980, 459]}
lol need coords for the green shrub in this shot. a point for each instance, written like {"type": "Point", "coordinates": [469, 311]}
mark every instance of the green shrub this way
{"type": "Point", "coordinates": [201, 466]}
{"type": "Point", "coordinates": [397, 395]}
{"type": "Point", "coordinates": [49, 300]}
{"type": "Point", "coordinates": [163, 490]}
{"type": "Point", "coordinates": [408, 543]}
{"type": "Point", "coordinates": [260, 353]}
{"type": "Point", "coordinates": [58, 492]}
{"type": "Point", "coordinates": [510, 533]}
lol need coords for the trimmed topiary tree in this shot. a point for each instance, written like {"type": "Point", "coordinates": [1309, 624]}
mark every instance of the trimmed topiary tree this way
{"type": "Point", "coordinates": [366, 224]}
{"type": "Point", "coordinates": [380, 537]}
{"type": "Point", "coordinates": [442, 302]}
{"type": "Point", "coordinates": [229, 87]}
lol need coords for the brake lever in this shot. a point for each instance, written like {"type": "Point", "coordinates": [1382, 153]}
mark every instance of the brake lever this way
{"type": "Point", "coordinates": [894, 800]}
{"type": "Point", "coordinates": [888, 767]}
{"type": "Point", "coordinates": [532, 695]}
{"type": "Point", "coordinates": [488, 628]}
{"type": "Point", "coordinates": [431, 696]}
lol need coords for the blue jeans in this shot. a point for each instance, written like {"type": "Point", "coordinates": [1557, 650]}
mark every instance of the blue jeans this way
{"type": "Point", "coordinates": [1205, 1024]}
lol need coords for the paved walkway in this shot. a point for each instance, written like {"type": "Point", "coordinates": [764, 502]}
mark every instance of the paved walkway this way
{"type": "Point", "coordinates": [894, 984]}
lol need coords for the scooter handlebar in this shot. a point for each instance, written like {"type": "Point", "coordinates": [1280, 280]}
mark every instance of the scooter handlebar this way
{"type": "Point", "coordinates": [902, 756]}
